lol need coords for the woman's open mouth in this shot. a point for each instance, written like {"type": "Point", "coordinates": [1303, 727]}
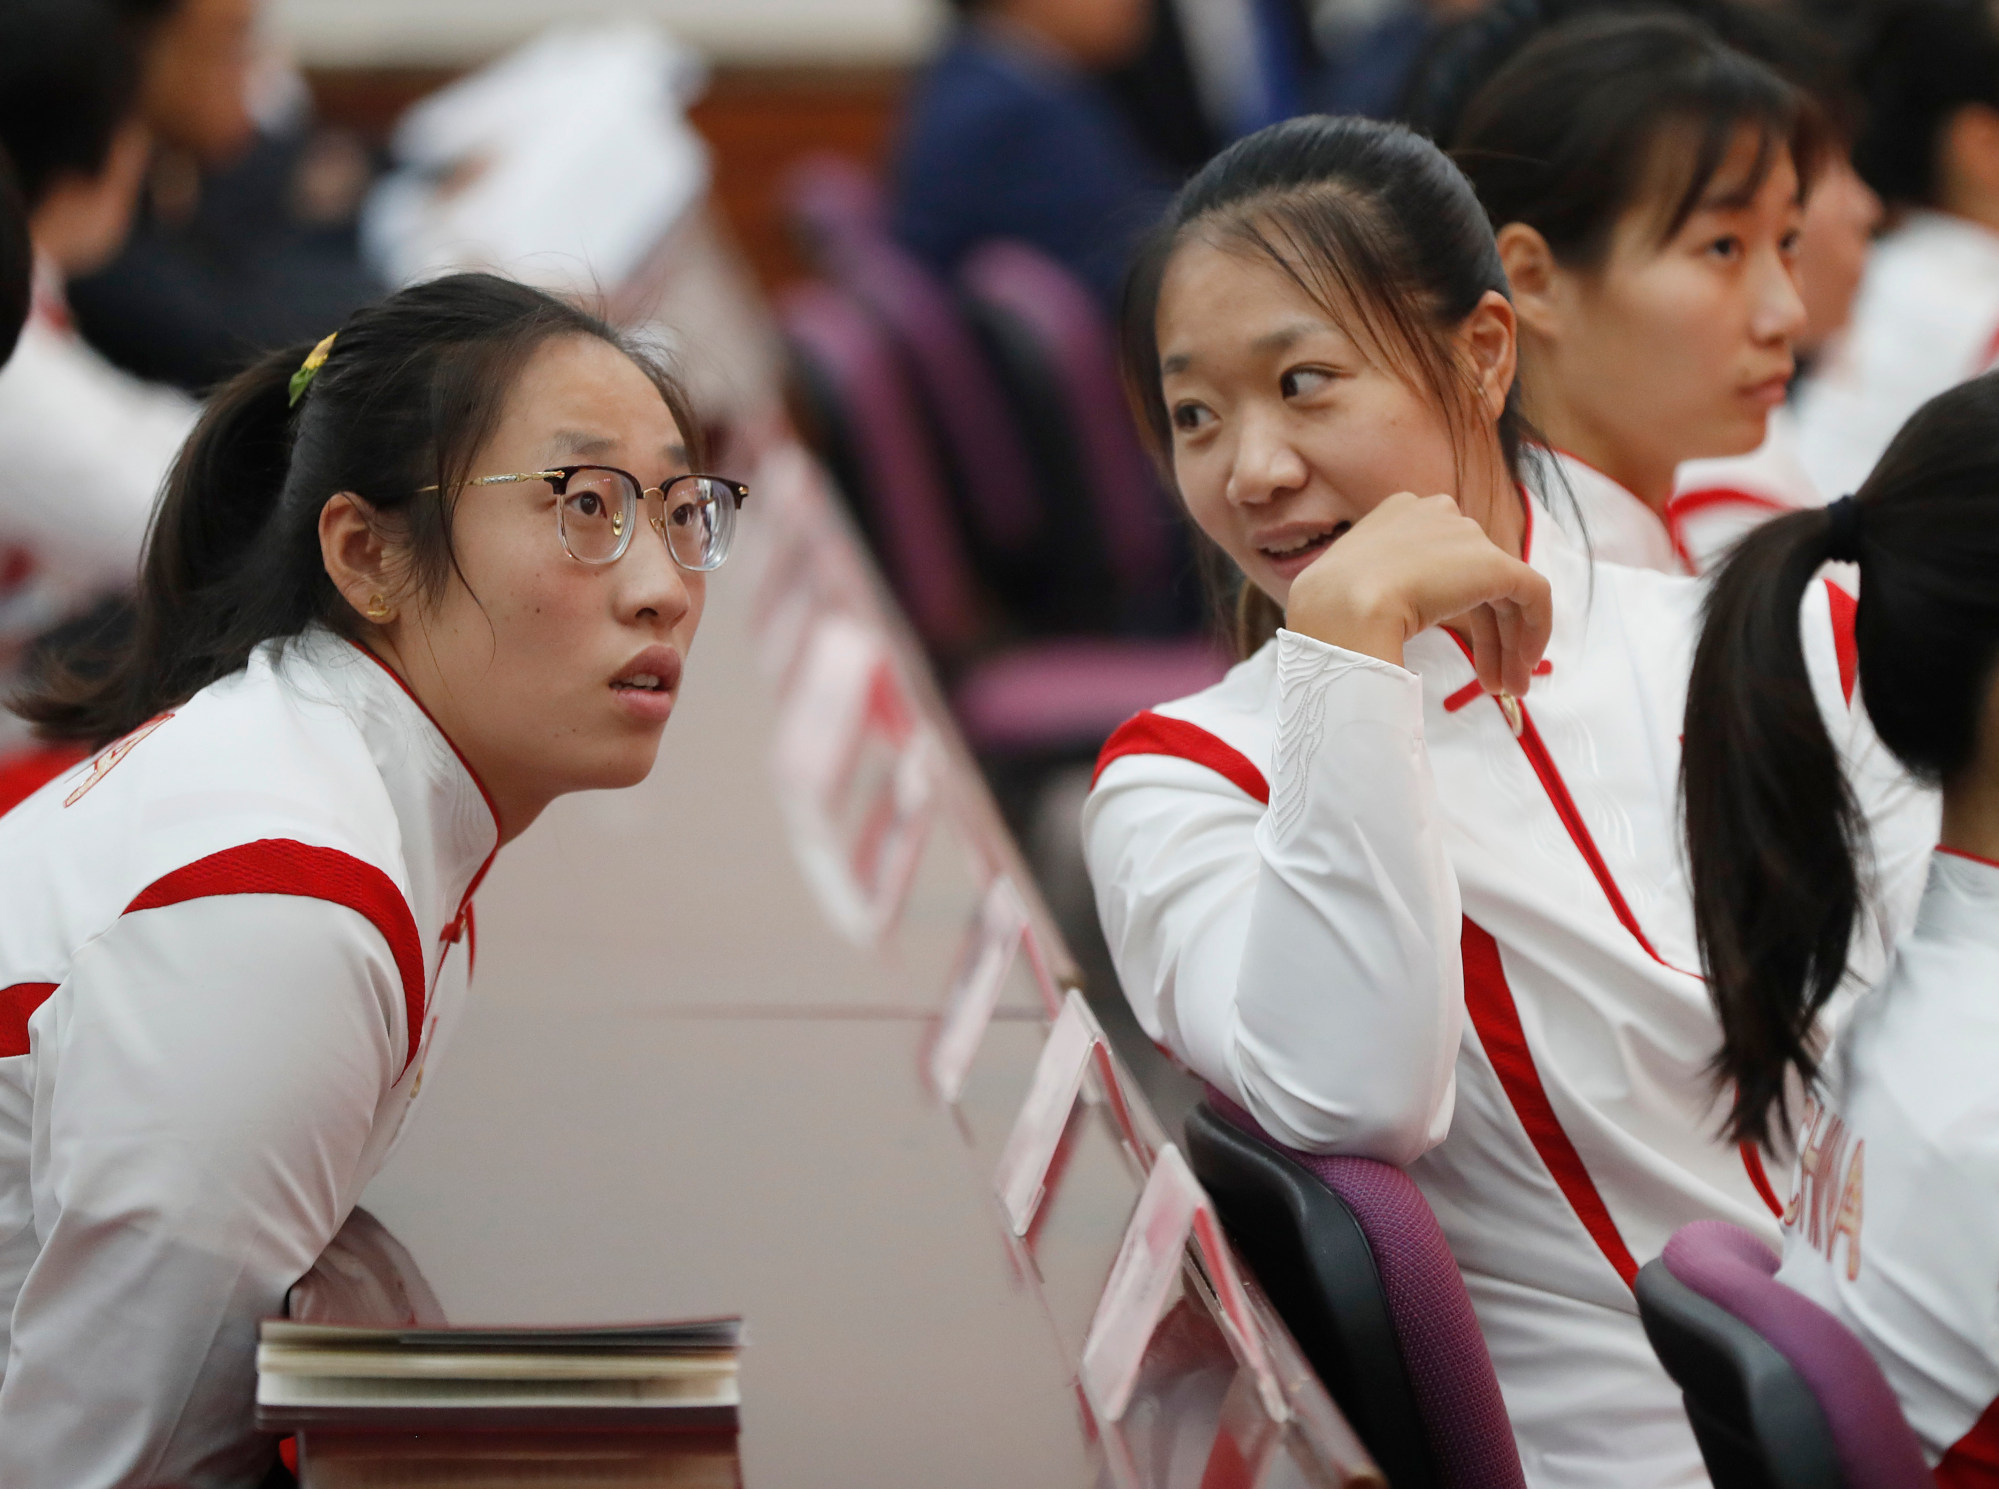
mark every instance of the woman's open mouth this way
{"type": "Point", "coordinates": [1292, 553]}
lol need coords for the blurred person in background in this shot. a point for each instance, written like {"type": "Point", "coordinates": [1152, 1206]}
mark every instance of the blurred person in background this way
{"type": "Point", "coordinates": [1927, 316]}
{"type": "Point", "coordinates": [84, 447]}
{"type": "Point", "coordinates": [1011, 133]}
{"type": "Point", "coordinates": [1714, 499]}
{"type": "Point", "coordinates": [245, 233]}
{"type": "Point", "coordinates": [17, 261]}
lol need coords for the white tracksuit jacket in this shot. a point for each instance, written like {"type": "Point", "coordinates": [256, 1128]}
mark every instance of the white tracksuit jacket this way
{"type": "Point", "coordinates": [1893, 1220]}
{"type": "Point", "coordinates": [1716, 502]}
{"type": "Point", "coordinates": [1348, 895]}
{"type": "Point", "coordinates": [1927, 318]}
{"type": "Point", "coordinates": [228, 945]}
{"type": "Point", "coordinates": [1621, 528]}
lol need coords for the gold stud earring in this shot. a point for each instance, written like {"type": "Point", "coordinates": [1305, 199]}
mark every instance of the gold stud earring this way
{"type": "Point", "coordinates": [378, 608]}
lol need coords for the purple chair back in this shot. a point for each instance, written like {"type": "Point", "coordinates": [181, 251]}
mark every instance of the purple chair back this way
{"type": "Point", "coordinates": [901, 489]}
{"type": "Point", "coordinates": [1450, 1371]}
{"type": "Point", "coordinates": [955, 383]}
{"type": "Point", "coordinates": [832, 201]}
{"type": "Point", "coordinates": [1733, 1270]}
{"type": "Point", "coordinates": [1135, 516]}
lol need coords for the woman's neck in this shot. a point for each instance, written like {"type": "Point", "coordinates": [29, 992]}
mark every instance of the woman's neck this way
{"type": "Point", "coordinates": [1971, 812]}
{"type": "Point", "coordinates": [1567, 428]}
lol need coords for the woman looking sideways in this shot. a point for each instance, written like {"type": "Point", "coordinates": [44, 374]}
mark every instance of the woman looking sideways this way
{"type": "Point", "coordinates": [1893, 1221]}
{"type": "Point", "coordinates": [400, 594]}
{"type": "Point", "coordinates": [1657, 315]}
{"type": "Point", "coordinates": [1364, 885]}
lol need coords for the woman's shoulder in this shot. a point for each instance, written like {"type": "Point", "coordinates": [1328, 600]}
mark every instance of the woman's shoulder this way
{"type": "Point", "coordinates": [1217, 739]}
{"type": "Point", "coordinates": [254, 757]}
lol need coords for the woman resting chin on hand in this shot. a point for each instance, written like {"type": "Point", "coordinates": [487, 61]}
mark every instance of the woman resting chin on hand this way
{"type": "Point", "coordinates": [404, 589]}
{"type": "Point", "coordinates": [1376, 888]}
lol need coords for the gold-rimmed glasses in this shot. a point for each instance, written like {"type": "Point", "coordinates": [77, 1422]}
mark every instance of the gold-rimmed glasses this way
{"type": "Point", "coordinates": [597, 509]}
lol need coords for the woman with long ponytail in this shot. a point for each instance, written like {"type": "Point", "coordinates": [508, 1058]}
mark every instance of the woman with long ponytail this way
{"type": "Point", "coordinates": [397, 598]}
{"type": "Point", "coordinates": [1893, 1219]}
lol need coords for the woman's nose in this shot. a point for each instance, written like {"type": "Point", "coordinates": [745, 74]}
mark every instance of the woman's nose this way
{"type": "Point", "coordinates": [1266, 463]}
{"type": "Point", "coordinates": [652, 584]}
{"type": "Point", "coordinates": [1779, 311]}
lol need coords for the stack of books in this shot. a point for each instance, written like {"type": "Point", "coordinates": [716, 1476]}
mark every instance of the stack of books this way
{"type": "Point", "coordinates": [657, 1377]}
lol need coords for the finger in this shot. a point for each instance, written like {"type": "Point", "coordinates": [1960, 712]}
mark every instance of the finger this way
{"type": "Point", "coordinates": [1526, 620]}
{"type": "Point", "coordinates": [1487, 650]}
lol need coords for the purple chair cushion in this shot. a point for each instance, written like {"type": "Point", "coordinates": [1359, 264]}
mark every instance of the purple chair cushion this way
{"type": "Point", "coordinates": [1450, 1370]}
{"type": "Point", "coordinates": [1073, 693]}
{"type": "Point", "coordinates": [1733, 1270]}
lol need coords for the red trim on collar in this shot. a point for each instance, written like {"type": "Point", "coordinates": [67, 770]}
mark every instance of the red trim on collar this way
{"type": "Point", "coordinates": [283, 866]}
{"type": "Point", "coordinates": [1557, 790]}
{"type": "Point", "coordinates": [17, 1005]}
{"type": "Point", "coordinates": [1489, 1002]}
{"type": "Point", "coordinates": [1759, 1178]}
{"type": "Point", "coordinates": [1686, 503]}
{"type": "Point", "coordinates": [1156, 734]}
{"type": "Point", "coordinates": [1990, 863]}
{"type": "Point", "coordinates": [397, 677]}
{"type": "Point", "coordinates": [1526, 506]}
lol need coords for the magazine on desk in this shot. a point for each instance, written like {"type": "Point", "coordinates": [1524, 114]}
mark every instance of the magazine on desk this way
{"type": "Point", "coordinates": [656, 1376]}
{"type": "Point", "coordinates": [366, 1345]}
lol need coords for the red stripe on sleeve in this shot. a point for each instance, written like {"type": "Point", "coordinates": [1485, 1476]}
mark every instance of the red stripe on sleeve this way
{"type": "Point", "coordinates": [1844, 608]}
{"type": "Point", "coordinates": [1490, 1003]}
{"type": "Point", "coordinates": [17, 1005]}
{"type": "Point", "coordinates": [1156, 734]}
{"type": "Point", "coordinates": [1973, 1460]}
{"type": "Point", "coordinates": [282, 866]}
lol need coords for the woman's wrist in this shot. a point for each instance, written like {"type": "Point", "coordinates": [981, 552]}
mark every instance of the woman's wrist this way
{"type": "Point", "coordinates": [1371, 630]}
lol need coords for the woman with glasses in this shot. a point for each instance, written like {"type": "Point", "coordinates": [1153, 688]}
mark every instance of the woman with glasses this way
{"type": "Point", "coordinates": [403, 590]}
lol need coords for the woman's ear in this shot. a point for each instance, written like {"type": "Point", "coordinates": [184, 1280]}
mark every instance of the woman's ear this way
{"type": "Point", "coordinates": [1533, 276]}
{"type": "Point", "coordinates": [359, 558]}
{"type": "Point", "coordinates": [1487, 339]}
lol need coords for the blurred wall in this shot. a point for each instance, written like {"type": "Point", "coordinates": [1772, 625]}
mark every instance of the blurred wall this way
{"type": "Point", "coordinates": [431, 33]}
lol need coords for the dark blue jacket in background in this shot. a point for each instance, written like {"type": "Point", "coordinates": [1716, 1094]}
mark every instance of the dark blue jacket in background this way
{"type": "Point", "coordinates": [1001, 142]}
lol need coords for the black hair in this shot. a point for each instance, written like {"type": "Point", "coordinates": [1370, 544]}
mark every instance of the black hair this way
{"type": "Point", "coordinates": [1917, 63]}
{"type": "Point", "coordinates": [1368, 219]}
{"type": "Point", "coordinates": [1463, 55]}
{"type": "Point", "coordinates": [69, 79]}
{"type": "Point", "coordinates": [410, 390]}
{"type": "Point", "coordinates": [1577, 126]}
{"type": "Point", "coordinates": [1775, 838]}
{"type": "Point", "coordinates": [17, 261]}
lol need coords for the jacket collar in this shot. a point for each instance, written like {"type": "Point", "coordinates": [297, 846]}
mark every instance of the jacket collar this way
{"type": "Point", "coordinates": [450, 827]}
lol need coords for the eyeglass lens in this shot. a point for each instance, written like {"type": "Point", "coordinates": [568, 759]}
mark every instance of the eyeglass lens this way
{"type": "Point", "coordinates": [599, 508]}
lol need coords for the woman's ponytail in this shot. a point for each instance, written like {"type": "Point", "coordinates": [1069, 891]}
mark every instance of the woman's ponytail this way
{"type": "Point", "coordinates": [1773, 833]}
{"type": "Point", "coordinates": [1776, 842]}
{"type": "Point", "coordinates": [394, 413]}
{"type": "Point", "coordinates": [219, 495]}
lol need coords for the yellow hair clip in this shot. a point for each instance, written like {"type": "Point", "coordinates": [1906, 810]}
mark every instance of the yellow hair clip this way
{"type": "Point", "coordinates": [309, 368]}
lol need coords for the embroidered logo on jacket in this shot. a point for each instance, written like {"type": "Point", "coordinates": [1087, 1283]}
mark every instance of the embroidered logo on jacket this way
{"type": "Point", "coordinates": [1831, 1195]}
{"type": "Point", "coordinates": [113, 753]}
